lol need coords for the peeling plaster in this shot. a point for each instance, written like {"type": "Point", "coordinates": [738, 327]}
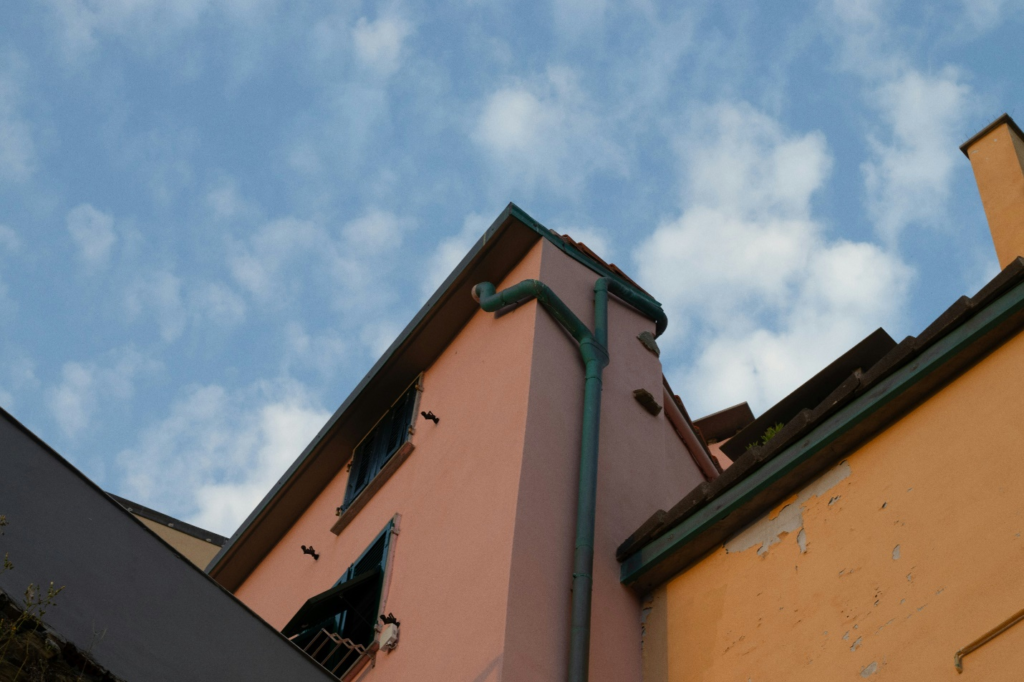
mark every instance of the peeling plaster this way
{"type": "Point", "coordinates": [870, 669]}
{"type": "Point", "coordinates": [768, 531]}
{"type": "Point", "coordinates": [896, 553]}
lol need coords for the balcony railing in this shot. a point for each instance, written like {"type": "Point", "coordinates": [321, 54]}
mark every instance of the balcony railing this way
{"type": "Point", "coordinates": [342, 657]}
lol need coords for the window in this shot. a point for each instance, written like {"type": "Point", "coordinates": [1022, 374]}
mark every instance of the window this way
{"type": "Point", "coordinates": [383, 440]}
{"type": "Point", "coordinates": [337, 626]}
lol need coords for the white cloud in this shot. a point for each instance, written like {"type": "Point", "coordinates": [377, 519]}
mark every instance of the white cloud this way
{"type": "Point", "coordinates": [921, 118]}
{"type": "Point", "coordinates": [321, 352]}
{"type": "Point", "coordinates": [225, 201]}
{"type": "Point", "coordinates": [984, 15]}
{"type": "Point", "coordinates": [9, 243]}
{"type": "Point", "coordinates": [349, 269]}
{"type": "Point", "coordinates": [218, 452]}
{"type": "Point", "coordinates": [451, 250]}
{"type": "Point", "coordinates": [9, 239]}
{"type": "Point", "coordinates": [260, 264]}
{"type": "Point", "coordinates": [84, 22]}
{"type": "Point", "coordinates": [218, 303]}
{"type": "Point", "coordinates": [377, 232]}
{"type": "Point", "coordinates": [378, 335]}
{"type": "Point", "coordinates": [593, 238]}
{"type": "Point", "coordinates": [84, 385]}
{"type": "Point", "coordinates": [864, 30]}
{"type": "Point", "coordinates": [93, 234]}
{"type": "Point", "coordinates": [749, 277]}
{"type": "Point", "coordinates": [352, 261]}
{"type": "Point", "coordinates": [547, 132]}
{"type": "Point", "coordinates": [378, 44]}
{"type": "Point", "coordinates": [158, 294]}
{"type": "Point", "coordinates": [908, 177]}
{"type": "Point", "coordinates": [17, 149]}
{"type": "Point", "coordinates": [575, 18]}
{"type": "Point", "coordinates": [21, 378]}
{"type": "Point", "coordinates": [330, 37]}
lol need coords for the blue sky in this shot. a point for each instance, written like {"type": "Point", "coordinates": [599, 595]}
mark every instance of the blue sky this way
{"type": "Point", "coordinates": [214, 216]}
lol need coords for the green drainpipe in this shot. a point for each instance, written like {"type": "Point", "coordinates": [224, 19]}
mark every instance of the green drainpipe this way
{"type": "Point", "coordinates": [593, 349]}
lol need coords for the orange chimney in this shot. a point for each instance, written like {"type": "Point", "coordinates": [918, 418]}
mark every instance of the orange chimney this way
{"type": "Point", "coordinates": [997, 157]}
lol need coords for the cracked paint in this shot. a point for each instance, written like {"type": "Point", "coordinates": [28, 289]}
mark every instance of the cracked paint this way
{"type": "Point", "coordinates": [768, 530]}
{"type": "Point", "coordinates": [843, 571]}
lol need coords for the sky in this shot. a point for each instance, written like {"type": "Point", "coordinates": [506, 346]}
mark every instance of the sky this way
{"type": "Point", "coordinates": [215, 216]}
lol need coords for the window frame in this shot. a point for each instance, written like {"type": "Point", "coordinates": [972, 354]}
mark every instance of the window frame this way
{"type": "Point", "coordinates": [379, 573]}
{"type": "Point", "coordinates": [364, 468]}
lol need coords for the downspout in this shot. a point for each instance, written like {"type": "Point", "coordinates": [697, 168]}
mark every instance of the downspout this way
{"type": "Point", "coordinates": [594, 352]}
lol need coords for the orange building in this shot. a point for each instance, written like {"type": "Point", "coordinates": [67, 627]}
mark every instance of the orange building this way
{"type": "Point", "coordinates": [878, 535]}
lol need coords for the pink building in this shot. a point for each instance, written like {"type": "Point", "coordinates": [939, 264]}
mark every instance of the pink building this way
{"type": "Point", "coordinates": [443, 493]}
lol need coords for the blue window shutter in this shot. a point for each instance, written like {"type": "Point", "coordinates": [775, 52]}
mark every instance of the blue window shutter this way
{"type": "Point", "coordinates": [377, 447]}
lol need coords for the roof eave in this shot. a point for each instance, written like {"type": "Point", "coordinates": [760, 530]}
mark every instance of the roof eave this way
{"type": "Point", "coordinates": [492, 236]}
{"type": "Point", "coordinates": [839, 435]}
{"type": "Point", "coordinates": [1004, 118]}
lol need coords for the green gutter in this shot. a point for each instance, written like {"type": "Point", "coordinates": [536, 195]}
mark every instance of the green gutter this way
{"type": "Point", "coordinates": [593, 350]}
{"type": "Point", "coordinates": [636, 569]}
{"type": "Point", "coordinates": [642, 298]}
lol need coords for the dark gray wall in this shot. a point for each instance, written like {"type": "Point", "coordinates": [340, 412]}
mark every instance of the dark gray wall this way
{"type": "Point", "coordinates": [139, 608]}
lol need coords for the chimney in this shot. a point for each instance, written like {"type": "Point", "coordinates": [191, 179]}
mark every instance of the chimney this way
{"type": "Point", "coordinates": [997, 157]}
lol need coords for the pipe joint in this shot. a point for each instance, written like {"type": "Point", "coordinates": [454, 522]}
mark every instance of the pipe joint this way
{"type": "Point", "coordinates": [482, 291]}
{"type": "Point", "coordinates": [595, 356]}
{"type": "Point", "coordinates": [491, 300]}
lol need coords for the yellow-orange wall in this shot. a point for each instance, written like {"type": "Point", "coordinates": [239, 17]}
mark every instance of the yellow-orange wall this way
{"type": "Point", "coordinates": [195, 550]}
{"type": "Point", "coordinates": [998, 162]}
{"type": "Point", "coordinates": [944, 485]}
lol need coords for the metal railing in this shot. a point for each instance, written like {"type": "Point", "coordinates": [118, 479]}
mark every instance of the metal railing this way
{"type": "Point", "coordinates": [337, 654]}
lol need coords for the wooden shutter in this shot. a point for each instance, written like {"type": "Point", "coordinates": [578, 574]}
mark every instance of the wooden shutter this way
{"type": "Point", "coordinates": [383, 440]}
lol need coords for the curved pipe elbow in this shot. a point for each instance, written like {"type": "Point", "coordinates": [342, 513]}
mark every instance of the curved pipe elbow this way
{"type": "Point", "coordinates": [483, 293]}
{"type": "Point", "coordinates": [492, 301]}
{"type": "Point", "coordinates": [642, 304]}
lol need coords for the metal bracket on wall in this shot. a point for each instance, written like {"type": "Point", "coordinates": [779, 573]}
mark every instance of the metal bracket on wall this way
{"type": "Point", "coordinates": [958, 657]}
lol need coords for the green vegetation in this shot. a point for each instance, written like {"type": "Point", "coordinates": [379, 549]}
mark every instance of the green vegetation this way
{"type": "Point", "coordinates": [769, 433]}
{"type": "Point", "coordinates": [27, 651]}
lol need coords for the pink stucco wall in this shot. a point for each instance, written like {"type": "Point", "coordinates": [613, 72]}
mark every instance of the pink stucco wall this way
{"type": "Point", "coordinates": [482, 565]}
{"type": "Point", "coordinates": [456, 494]}
{"type": "Point", "coordinates": [716, 452]}
{"type": "Point", "coordinates": [643, 467]}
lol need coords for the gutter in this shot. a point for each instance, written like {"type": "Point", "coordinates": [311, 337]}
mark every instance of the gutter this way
{"type": "Point", "coordinates": [694, 445]}
{"type": "Point", "coordinates": [860, 407]}
{"type": "Point", "coordinates": [593, 350]}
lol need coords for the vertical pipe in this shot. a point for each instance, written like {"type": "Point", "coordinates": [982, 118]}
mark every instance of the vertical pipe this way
{"type": "Point", "coordinates": [601, 311]}
{"type": "Point", "coordinates": [586, 512]}
{"type": "Point", "coordinates": [593, 348]}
